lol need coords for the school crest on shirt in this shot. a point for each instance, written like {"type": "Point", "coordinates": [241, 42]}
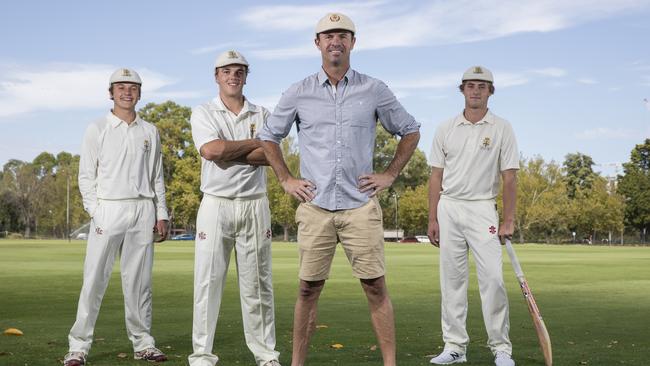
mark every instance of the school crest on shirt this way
{"type": "Point", "coordinates": [146, 146]}
{"type": "Point", "coordinates": [486, 143]}
{"type": "Point", "coordinates": [253, 130]}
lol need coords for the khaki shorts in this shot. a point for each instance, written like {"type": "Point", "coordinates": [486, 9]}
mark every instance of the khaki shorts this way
{"type": "Point", "coordinates": [359, 230]}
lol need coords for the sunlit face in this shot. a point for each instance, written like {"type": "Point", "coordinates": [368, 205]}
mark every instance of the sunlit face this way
{"type": "Point", "coordinates": [476, 94]}
{"type": "Point", "coordinates": [231, 80]}
{"type": "Point", "coordinates": [125, 95]}
{"type": "Point", "coordinates": [335, 47]}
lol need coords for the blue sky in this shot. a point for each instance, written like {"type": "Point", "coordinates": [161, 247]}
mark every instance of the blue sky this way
{"type": "Point", "coordinates": [570, 75]}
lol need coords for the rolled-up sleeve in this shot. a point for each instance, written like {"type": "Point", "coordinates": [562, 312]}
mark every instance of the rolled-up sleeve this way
{"type": "Point", "coordinates": [88, 169]}
{"type": "Point", "coordinates": [278, 125]}
{"type": "Point", "coordinates": [392, 114]}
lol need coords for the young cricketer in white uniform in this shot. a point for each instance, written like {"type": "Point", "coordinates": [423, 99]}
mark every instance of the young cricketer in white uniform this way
{"type": "Point", "coordinates": [234, 214]}
{"type": "Point", "coordinates": [470, 154]}
{"type": "Point", "coordinates": [121, 183]}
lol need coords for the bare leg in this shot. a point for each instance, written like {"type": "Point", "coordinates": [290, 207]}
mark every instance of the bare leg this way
{"type": "Point", "coordinates": [304, 319]}
{"type": "Point", "coordinates": [381, 314]}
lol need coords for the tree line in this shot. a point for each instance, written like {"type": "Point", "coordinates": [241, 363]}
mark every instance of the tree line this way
{"type": "Point", "coordinates": [566, 202]}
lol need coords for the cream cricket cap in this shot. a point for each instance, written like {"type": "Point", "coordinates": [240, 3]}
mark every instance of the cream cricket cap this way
{"type": "Point", "coordinates": [230, 58]}
{"type": "Point", "coordinates": [335, 21]}
{"type": "Point", "coordinates": [125, 75]}
{"type": "Point", "coordinates": [478, 73]}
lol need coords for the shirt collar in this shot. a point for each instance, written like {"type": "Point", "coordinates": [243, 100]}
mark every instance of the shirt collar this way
{"type": "Point", "coordinates": [322, 76]}
{"type": "Point", "coordinates": [116, 121]}
{"type": "Point", "coordinates": [217, 105]}
{"type": "Point", "coordinates": [488, 118]}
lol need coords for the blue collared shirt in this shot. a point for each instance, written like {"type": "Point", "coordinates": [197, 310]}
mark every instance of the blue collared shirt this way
{"type": "Point", "coordinates": [336, 132]}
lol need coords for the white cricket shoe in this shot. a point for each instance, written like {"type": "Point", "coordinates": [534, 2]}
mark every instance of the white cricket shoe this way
{"type": "Point", "coordinates": [503, 359]}
{"type": "Point", "coordinates": [272, 363]}
{"type": "Point", "coordinates": [448, 358]}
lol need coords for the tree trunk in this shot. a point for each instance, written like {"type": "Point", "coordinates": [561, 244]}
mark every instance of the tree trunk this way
{"type": "Point", "coordinates": [286, 232]}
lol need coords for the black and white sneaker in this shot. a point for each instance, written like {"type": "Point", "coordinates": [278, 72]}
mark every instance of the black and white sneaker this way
{"type": "Point", "coordinates": [448, 358]}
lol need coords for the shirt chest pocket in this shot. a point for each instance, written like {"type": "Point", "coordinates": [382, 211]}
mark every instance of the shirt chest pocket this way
{"type": "Point", "coordinates": [359, 114]}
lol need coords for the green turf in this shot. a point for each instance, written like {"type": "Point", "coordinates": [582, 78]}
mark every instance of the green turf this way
{"type": "Point", "coordinates": [595, 301]}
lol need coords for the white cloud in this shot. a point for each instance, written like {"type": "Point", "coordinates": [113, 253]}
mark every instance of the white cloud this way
{"type": "Point", "coordinates": [223, 47]}
{"type": "Point", "coordinates": [451, 80]}
{"type": "Point", "coordinates": [383, 24]}
{"type": "Point", "coordinates": [554, 72]}
{"type": "Point", "coordinates": [605, 133]}
{"type": "Point", "coordinates": [588, 81]}
{"type": "Point", "coordinates": [57, 87]}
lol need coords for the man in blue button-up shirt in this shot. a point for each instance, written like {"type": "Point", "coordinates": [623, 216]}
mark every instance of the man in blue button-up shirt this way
{"type": "Point", "coordinates": [336, 112]}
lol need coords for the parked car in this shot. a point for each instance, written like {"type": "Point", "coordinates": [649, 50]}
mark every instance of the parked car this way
{"type": "Point", "coordinates": [423, 239]}
{"type": "Point", "coordinates": [185, 236]}
{"type": "Point", "coordinates": [409, 239]}
{"type": "Point", "coordinates": [82, 236]}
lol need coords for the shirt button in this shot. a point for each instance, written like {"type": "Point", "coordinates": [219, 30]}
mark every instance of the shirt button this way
{"type": "Point", "coordinates": [338, 160]}
{"type": "Point", "coordinates": [338, 142]}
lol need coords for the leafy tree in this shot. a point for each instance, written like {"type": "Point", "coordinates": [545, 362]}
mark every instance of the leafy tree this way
{"type": "Point", "coordinates": [22, 181]}
{"type": "Point", "coordinates": [283, 206]}
{"type": "Point", "coordinates": [541, 199]}
{"type": "Point", "coordinates": [634, 185]}
{"type": "Point", "coordinates": [413, 210]}
{"type": "Point", "coordinates": [579, 173]}
{"type": "Point", "coordinates": [596, 210]}
{"type": "Point", "coordinates": [415, 173]}
{"type": "Point", "coordinates": [181, 162]}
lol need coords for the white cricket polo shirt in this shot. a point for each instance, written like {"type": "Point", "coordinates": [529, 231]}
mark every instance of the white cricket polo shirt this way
{"type": "Point", "coordinates": [211, 121]}
{"type": "Point", "coordinates": [473, 156]}
{"type": "Point", "coordinates": [121, 161]}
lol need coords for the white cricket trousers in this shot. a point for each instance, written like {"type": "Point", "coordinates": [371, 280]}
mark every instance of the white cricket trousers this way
{"type": "Point", "coordinates": [124, 227]}
{"type": "Point", "coordinates": [471, 225]}
{"type": "Point", "coordinates": [245, 225]}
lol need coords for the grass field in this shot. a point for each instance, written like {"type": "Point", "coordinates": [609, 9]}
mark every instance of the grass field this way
{"type": "Point", "coordinates": [595, 301]}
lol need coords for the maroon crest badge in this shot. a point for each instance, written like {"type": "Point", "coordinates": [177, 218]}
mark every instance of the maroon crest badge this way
{"type": "Point", "coordinates": [202, 236]}
{"type": "Point", "coordinates": [268, 233]}
{"type": "Point", "coordinates": [99, 231]}
{"type": "Point", "coordinates": [493, 230]}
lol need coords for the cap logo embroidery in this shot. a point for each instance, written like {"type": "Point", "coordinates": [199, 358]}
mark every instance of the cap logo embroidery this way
{"type": "Point", "coordinates": [335, 17]}
{"type": "Point", "coordinates": [126, 72]}
{"type": "Point", "coordinates": [478, 70]}
{"type": "Point", "coordinates": [232, 54]}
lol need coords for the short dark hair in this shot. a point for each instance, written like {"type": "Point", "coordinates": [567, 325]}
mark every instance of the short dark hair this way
{"type": "Point", "coordinates": [490, 85]}
{"type": "Point", "coordinates": [216, 69]}
{"type": "Point", "coordinates": [336, 31]}
{"type": "Point", "coordinates": [110, 87]}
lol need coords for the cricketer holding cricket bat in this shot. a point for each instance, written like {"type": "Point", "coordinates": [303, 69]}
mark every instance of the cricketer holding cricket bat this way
{"type": "Point", "coordinates": [470, 154]}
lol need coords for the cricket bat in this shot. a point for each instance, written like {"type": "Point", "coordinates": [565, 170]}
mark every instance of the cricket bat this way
{"type": "Point", "coordinates": [540, 327]}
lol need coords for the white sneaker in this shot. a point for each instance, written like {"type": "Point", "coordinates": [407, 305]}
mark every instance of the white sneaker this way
{"type": "Point", "coordinates": [503, 359]}
{"type": "Point", "coordinates": [448, 357]}
{"type": "Point", "coordinates": [272, 363]}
